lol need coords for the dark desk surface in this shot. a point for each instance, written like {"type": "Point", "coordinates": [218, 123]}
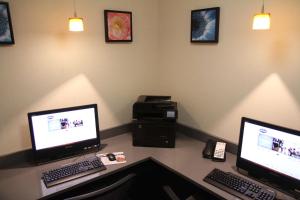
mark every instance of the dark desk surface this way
{"type": "Point", "coordinates": [186, 158]}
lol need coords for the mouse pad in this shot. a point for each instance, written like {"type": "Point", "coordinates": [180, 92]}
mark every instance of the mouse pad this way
{"type": "Point", "coordinates": [120, 158]}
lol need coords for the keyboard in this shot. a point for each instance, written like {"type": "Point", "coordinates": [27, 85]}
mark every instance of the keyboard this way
{"type": "Point", "coordinates": [239, 186]}
{"type": "Point", "coordinates": [72, 171]}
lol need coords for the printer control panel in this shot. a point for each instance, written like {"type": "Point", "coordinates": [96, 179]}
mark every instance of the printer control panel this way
{"type": "Point", "coordinates": [171, 114]}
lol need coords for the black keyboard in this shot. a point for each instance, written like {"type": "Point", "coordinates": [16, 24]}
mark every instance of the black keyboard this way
{"type": "Point", "coordinates": [239, 186]}
{"type": "Point", "coordinates": [72, 171]}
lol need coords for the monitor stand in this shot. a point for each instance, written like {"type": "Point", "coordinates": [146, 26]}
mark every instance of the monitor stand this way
{"type": "Point", "coordinates": [282, 187]}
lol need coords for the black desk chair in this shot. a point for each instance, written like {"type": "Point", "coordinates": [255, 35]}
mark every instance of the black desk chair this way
{"type": "Point", "coordinates": [116, 191]}
{"type": "Point", "coordinates": [171, 194]}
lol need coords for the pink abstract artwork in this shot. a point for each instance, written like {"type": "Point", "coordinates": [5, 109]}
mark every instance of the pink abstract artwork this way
{"type": "Point", "coordinates": [118, 26]}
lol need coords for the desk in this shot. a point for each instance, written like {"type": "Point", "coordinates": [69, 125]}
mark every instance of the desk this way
{"type": "Point", "coordinates": [186, 159]}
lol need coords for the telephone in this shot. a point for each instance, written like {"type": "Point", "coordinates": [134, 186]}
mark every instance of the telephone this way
{"type": "Point", "coordinates": [215, 150]}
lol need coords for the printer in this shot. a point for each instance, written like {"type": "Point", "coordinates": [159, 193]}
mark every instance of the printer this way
{"type": "Point", "coordinates": [154, 121]}
{"type": "Point", "coordinates": [155, 107]}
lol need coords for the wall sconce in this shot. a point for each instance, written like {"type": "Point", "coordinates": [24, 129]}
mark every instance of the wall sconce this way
{"type": "Point", "coordinates": [75, 23]}
{"type": "Point", "coordinates": [262, 20]}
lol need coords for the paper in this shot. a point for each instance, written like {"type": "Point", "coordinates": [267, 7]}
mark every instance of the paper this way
{"type": "Point", "coordinates": [120, 158]}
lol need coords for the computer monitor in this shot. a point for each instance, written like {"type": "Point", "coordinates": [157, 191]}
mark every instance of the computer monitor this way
{"type": "Point", "coordinates": [270, 153]}
{"type": "Point", "coordinates": [64, 132]}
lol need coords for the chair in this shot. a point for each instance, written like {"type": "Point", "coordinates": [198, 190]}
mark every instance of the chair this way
{"type": "Point", "coordinates": [116, 191]}
{"type": "Point", "coordinates": [171, 194]}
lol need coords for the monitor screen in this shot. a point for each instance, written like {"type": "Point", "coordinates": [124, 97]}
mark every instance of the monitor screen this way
{"type": "Point", "coordinates": [64, 131]}
{"type": "Point", "coordinates": [269, 149]}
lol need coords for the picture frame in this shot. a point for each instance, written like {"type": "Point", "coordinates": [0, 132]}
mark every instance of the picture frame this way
{"type": "Point", "coordinates": [205, 25]}
{"type": "Point", "coordinates": [6, 30]}
{"type": "Point", "coordinates": [118, 26]}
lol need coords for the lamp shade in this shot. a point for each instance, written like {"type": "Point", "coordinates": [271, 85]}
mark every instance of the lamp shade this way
{"type": "Point", "coordinates": [261, 21]}
{"type": "Point", "coordinates": [76, 24]}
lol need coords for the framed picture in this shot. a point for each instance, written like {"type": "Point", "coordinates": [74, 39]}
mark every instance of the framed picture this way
{"type": "Point", "coordinates": [205, 25]}
{"type": "Point", "coordinates": [118, 26]}
{"type": "Point", "coordinates": [6, 32]}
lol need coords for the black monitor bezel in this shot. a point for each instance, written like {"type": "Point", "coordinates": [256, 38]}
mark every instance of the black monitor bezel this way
{"type": "Point", "coordinates": [68, 150]}
{"type": "Point", "coordinates": [260, 172]}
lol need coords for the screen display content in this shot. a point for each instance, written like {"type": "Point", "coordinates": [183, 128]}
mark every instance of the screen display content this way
{"type": "Point", "coordinates": [277, 150]}
{"type": "Point", "coordinates": [270, 150]}
{"type": "Point", "coordinates": [56, 129]}
{"type": "Point", "coordinates": [67, 129]}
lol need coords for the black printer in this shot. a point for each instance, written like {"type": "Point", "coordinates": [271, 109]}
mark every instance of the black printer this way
{"type": "Point", "coordinates": [154, 121]}
{"type": "Point", "coordinates": [155, 107]}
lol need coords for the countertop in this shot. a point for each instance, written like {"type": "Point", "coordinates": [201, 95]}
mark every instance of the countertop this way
{"type": "Point", "coordinates": [185, 158]}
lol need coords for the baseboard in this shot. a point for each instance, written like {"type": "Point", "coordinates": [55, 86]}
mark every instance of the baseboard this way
{"type": "Point", "coordinates": [118, 130]}
{"type": "Point", "coordinates": [202, 136]}
{"type": "Point", "coordinates": [24, 157]}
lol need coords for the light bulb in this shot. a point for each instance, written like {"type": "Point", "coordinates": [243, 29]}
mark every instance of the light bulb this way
{"type": "Point", "coordinates": [76, 24]}
{"type": "Point", "coordinates": [261, 21]}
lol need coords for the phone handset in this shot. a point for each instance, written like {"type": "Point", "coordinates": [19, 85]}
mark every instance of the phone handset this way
{"type": "Point", "coordinates": [215, 150]}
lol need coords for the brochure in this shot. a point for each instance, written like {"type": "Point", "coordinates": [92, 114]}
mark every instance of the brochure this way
{"type": "Point", "coordinates": [120, 158]}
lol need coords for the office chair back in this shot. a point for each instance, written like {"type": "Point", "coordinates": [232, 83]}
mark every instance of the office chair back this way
{"type": "Point", "coordinates": [116, 191]}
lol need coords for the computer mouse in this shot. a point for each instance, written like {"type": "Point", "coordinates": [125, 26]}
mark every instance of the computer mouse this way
{"type": "Point", "coordinates": [111, 157]}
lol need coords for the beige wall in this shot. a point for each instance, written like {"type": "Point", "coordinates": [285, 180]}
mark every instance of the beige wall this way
{"type": "Point", "coordinates": [50, 67]}
{"type": "Point", "coordinates": [248, 73]}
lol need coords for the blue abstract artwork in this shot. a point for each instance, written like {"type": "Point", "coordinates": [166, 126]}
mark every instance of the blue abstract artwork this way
{"type": "Point", "coordinates": [205, 25]}
{"type": "Point", "coordinates": [6, 36]}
